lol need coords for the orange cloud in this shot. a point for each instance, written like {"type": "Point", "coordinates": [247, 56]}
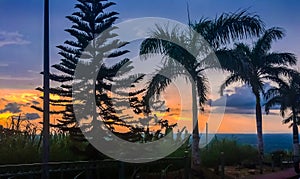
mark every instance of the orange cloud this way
{"type": "Point", "coordinates": [23, 98]}
{"type": "Point", "coordinates": [241, 123]}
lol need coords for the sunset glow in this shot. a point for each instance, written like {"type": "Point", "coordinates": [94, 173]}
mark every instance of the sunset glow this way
{"type": "Point", "coordinates": [21, 59]}
{"type": "Point", "coordinates": [231, 123]}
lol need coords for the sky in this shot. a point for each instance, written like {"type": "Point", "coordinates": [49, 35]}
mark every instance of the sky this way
{"type": "Point", "coordinates": [21, 41]}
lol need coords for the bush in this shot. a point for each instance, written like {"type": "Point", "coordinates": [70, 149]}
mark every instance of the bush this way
{"type": "Point", "coordinates": [278, 156]}
{"type": "Point", "coordinates": [234, 153]}
{"type": "Point", "coordinates": [20, 147]}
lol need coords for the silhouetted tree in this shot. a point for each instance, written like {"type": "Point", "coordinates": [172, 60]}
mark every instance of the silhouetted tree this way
{"type": "Point", "coordinates": [287, 96]}
{"type": "Point", "coordinates": [92, 42]}
{"type": "Point", "coordinates": [254, 67]}
{"type": "Point", "coordinates": [217, 32]}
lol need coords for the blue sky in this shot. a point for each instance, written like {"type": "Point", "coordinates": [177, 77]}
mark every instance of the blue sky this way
{"type": "Point", "coordinates": [21, 34]}
{"type": "Point", "coordinates": [21, 27]}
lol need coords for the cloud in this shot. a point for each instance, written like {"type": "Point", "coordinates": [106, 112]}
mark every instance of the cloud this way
{"type": "Point", "coordinates": [32, 116]}
{"type": "Point", "coordinates": [242, 101]}
{"type": "Point", "coordinates": [229, 91]}
{"type": "Point", "coordinates": [234, 110]}
{"type": "Point", "coordinates": [35, 102]}
{"type": "Point", "coordinates": [12, 38]}
{"type": "Point", "coordinates": [33, 71]}
{"type": "Point", "coordinates": [241, 98]}
{"type": "Point", "coordinates": [11, 107]}
{"type": "Point", "coordinates": [3, 65]}
{"type": "Point", "coordinates": [20, 78]}
{"type": "Point", "coordinates": [3, 99]}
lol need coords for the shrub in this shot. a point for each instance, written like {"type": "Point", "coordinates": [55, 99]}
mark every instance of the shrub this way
{"type": "Point", "coordinates": [234, 153]}
{"type": "Point", "coordinates": [20, 147]}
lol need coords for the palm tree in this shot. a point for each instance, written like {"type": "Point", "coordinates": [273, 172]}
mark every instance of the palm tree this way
{"type": "Point", "coordinates": [254, 66]}
{"type": "Point", "coordinates": [220, 31]}
{"type": "Point", "coordinates": [287, 96]}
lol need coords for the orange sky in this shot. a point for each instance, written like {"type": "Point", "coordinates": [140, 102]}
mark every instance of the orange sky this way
{"type": "Point", "coordinates": [229, 123]}
{"type": "Point", "coordinates": [24, 99]}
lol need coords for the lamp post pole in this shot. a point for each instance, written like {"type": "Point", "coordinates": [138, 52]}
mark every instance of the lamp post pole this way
{"type": "Point", "coordinates": [46, 110]}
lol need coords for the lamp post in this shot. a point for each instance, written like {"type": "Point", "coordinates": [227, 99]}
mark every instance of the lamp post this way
{"type": "Point", "coordinates": [46, 110]}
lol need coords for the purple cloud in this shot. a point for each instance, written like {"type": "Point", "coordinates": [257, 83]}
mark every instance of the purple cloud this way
{"type": "Point", "coordinates": [11, 38]}
{"type": "Point", "coordinates": [32, 116]}
{"type": "Point", "coordinates": [11, 107]}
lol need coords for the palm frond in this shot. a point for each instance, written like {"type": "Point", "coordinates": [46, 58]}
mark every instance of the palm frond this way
{"type": "Point", "coordinates": [277, 71]}
{"type": "Point", "coordinates": [264, 43]}
{"type": "Point", "coordinates": [271, 103]}
{"type": "Point", "coordinates": [157, 84]}
{"type": "Point", "coordinates": [231, 79]}
{"type": "Point", "coordinates": [227, 60]}
{"type": "Point", "coordinates": [202, 89]}
{"type": "Point", "coordinates": [234, 26]}
{"type": "Point", "coordinates": [288, 120]}
{"type": "Point", "coordinates": [203, 27]}
{"type": "Point", "coordinates": [280, 59]}
{"type": "Point", "coordinates": [271, 93]}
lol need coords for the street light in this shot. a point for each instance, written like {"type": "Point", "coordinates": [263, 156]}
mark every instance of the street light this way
{"type": "Point", "coordinates": [46, 110]}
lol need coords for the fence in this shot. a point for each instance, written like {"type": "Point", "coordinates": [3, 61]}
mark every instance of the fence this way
{"type": "Point", "coordinates": [164, 168]}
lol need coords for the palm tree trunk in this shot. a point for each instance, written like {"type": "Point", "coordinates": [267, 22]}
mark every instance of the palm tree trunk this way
{"type": "Point", "coordinates": [259, 132]}
{"type": "Point", "coordinates": [196, 138]}
{"type": "Point", "coordinates": [295, 142]}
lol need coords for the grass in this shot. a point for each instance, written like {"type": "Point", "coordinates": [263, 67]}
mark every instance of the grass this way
{"type": "Point", "coordinates": [20, 147]}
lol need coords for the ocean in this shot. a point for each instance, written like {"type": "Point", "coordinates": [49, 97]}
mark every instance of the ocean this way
{"type": "Point", "coordinates": [272, 142]}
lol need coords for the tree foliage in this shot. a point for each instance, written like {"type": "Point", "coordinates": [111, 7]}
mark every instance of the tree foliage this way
{"type": "Point", "coordinates": [108, 89]}
{"type": "Point", "coordinates": [181, 52]}
{"type": "Point", "coordinates": [255, 67]}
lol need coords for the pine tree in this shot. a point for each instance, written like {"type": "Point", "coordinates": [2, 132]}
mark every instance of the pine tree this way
{"type": "Point", "coordinates": [93, 41]}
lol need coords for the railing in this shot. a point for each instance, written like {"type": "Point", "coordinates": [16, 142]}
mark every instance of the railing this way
{"type": "Point", "coordinates": [97, 169]}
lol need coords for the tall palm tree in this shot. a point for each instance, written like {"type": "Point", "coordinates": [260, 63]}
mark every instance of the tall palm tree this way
{"type": "Point", "coordinates": [254, 66]}
{"type": "Point", "coordinates": [217, 32]}
{"type": "Point", "coordinates": [287, 96]}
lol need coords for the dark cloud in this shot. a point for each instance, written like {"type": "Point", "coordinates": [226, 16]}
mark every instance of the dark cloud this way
{"type": "Point", "coordinates": [241, 98]}
{"type": "Point", "coordinates": [11, 107]}
{"type": "Point", "coordinates": [248, 111]}
{"type": "Point", "coordinates": [32, 116]}
{"type": "Point", "coordinates": [242, 101]}
{"type": "Point", "coordinates": [35, 102]}
{"type": "Point", "coordinates": [3, 99]}
{"type": "Point", "coordinates": [234, 110]}
{"type": "Point", "coordinates": [229, 91]}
